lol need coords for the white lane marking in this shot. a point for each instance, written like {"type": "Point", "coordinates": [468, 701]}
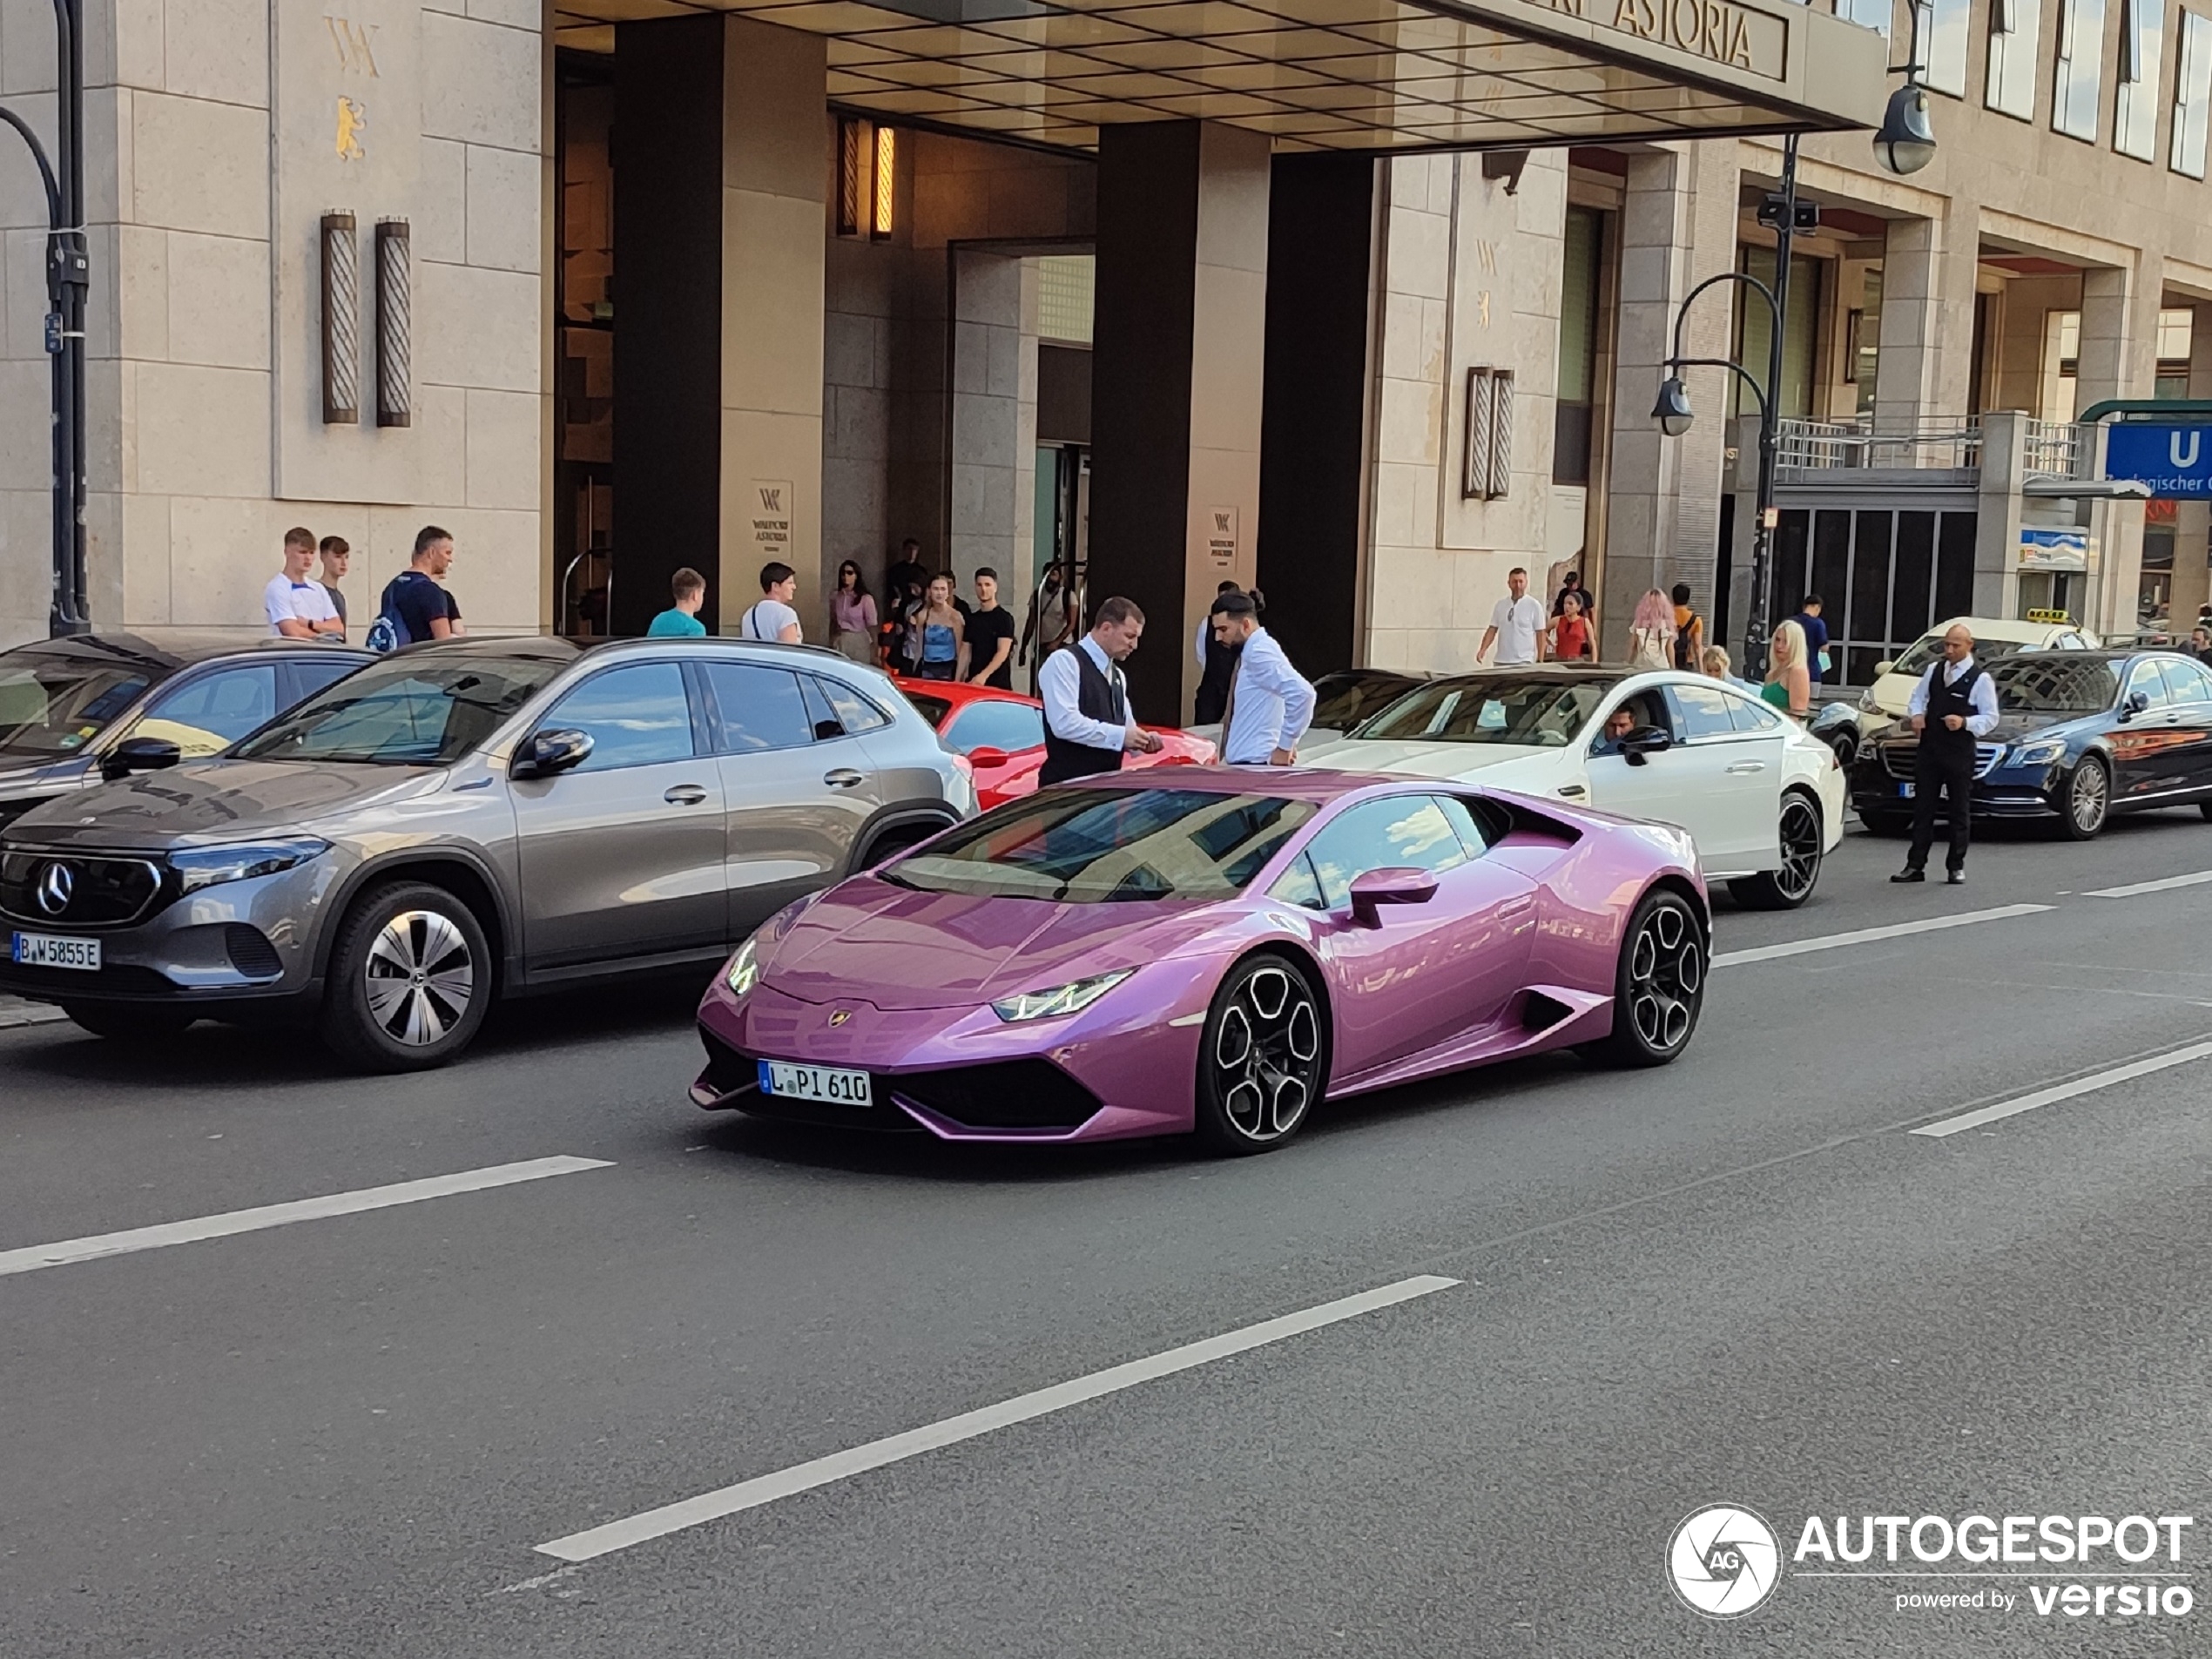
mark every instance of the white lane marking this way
{"type": "Point", "coordinates": [32, 1257]}
{"type": "Point", "coordinates": [2167, 884]}
{"type": "Point", "coordinates": [2058, 1092]}
{"type": "Point", "coordinates": [1868, 935]}
{"type": "Point", "coordinates": [840, 1465]}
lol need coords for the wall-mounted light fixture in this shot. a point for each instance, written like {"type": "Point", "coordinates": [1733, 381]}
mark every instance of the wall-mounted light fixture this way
{"type": "Point", "coordinates": [1486, 470]}
{"type": "Point", "coordinates": [886, 174]}
{"type": "Point", "coordinates": [852, 193]}
{"type": "Point", "coordinates": [341, 392]}
{"type": "Point", "coordinates": [395, 400]}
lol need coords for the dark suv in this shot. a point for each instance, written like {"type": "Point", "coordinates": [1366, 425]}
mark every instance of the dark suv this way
{"type": "Point", "coordinates": [463, 820]}
{"type": "Point", "coordinates": [86, 710]}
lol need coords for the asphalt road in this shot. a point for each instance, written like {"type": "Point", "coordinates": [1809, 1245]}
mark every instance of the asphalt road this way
{"type": "Point", "coordinates": [1742, 1278]}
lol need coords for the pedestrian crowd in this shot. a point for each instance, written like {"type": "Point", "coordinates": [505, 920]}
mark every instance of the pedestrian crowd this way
{"type": "Point", "coordinates": [415, 606]}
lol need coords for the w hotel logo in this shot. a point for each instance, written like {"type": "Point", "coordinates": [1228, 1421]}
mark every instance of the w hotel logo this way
{"type": "Point", "coordinates": [356, 44]}
{"type": "Point", "coordinates": [1221, 522]}
{"type": "Point", "coordinates": [772, 498]}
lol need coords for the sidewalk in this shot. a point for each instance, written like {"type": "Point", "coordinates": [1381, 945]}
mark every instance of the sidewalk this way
{"type": "Point", "coordinates": [14, 1010]}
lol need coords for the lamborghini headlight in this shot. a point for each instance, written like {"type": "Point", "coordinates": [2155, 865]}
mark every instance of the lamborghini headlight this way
{"type": "Point", "coordinates": [745, 968]}
{"type": "Point", "coordinates": [1071, 998]}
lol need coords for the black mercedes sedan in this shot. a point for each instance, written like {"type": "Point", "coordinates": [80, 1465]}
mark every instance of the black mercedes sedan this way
{"type": "Point", "coordinates": [84, 710]}
{"type": "Point", "coordinates": [2081, 735]}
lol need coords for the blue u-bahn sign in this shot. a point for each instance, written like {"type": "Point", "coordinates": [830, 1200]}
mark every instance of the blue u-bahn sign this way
{"type": "Point", "coordinates": [2175, 460]}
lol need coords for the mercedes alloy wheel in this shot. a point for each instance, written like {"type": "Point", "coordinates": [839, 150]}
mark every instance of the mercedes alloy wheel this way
{"type": "Point", "coordinates": [410, 975]}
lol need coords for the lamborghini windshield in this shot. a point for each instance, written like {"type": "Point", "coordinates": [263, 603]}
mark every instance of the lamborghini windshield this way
{"type": "Point", "coordinates": [1096, 846]}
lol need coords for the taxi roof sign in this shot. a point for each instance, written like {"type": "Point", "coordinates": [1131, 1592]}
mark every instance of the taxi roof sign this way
{"type": "Point", "coordinates": [2058, 618]}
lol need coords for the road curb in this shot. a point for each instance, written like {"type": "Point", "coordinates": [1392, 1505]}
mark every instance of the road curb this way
{"type": "Point", "coordinates": [15, 1010]}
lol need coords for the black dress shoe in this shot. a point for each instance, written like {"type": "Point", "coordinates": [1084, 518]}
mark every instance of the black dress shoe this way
{"type": "Point", "coordinates": [1910, 872]}
{"type": "Point", "coordinates": [1954, 877]}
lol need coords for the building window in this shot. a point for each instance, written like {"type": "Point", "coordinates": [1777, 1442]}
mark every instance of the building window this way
{"type": "Point", "coordinates": [2080, 69]}
{"type": "Point", "coordinates": [2015, 35]}
{"type": "Point", "coordinates": [2061, 363]}
{"type": "Point", "coordinates": [1067, 285]}
{"type": "Point", "coordinates": [1573, 419]}
{"type": "Point", "coordinates": [1944, 26]}
{"type": "Point", "coordinates": [2192, 94]}
{"type": "Point", "coordinates": [1867, 14]}
{"type": "Point", "coordinates": [1800, 332]}
{"type": "Point", "coordinates": [1865, 344]}
{"type": "Point", "coordinates": [2135, 117]}
{"type": "Point", "coordinates": [2174, 329]}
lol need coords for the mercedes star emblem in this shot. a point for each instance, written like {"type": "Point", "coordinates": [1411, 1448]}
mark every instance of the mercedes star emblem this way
{"type": "Point", "coordinates": [54, 887]}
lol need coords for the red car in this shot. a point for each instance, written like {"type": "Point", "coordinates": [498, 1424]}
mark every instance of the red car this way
{"type": "Point", "coordinates": [1002, 735]}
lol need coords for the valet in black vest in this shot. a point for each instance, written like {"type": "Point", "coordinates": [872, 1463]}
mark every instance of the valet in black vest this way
{"type": "Point", "coordinates": [1101, 695]}
{"type": "Point", "coordinates": [1955, 689]}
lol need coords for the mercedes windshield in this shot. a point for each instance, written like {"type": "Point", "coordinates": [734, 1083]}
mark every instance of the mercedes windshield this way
{"type": "Point", "coordinates": [1539, 712]}
{"type": "Point", "coordinates": [421, 708]}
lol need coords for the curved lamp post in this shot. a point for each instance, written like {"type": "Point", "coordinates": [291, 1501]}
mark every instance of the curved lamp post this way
{"type": "Point", "coordinates": [1674, 415]}
{"type": "Point", "coordinates": [68, 277]}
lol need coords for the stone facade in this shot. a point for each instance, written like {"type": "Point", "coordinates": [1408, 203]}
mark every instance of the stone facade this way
{"type": "Point", "coordinates": [206, 182]}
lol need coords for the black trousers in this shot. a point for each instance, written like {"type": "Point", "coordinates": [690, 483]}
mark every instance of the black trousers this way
{"type": "Point", "coordinates": [1948, 766]}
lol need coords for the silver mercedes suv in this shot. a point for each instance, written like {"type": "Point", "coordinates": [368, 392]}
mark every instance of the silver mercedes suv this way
{"type": "Point", "coordinates": [468, 819]}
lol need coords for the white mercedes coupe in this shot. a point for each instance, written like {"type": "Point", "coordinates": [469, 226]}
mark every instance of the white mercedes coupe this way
{"type": "Point", "coordinates": [1762, 797]}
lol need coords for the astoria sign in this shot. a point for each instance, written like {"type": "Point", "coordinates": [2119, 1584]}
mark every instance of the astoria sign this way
{"type": "Point", "coordinates": [1717, 30]}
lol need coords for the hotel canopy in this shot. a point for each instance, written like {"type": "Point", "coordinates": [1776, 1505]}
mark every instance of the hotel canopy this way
{"type": "Point", "coordinates": [1327, 74]}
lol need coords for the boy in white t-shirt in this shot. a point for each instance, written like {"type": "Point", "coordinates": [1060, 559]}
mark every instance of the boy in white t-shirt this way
{"type": "Point", "coordinates": [296, 607]}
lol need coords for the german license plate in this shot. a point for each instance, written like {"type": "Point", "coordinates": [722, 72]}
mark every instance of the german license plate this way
{"type": "Point", "coordinates": [51, 950]}
{"type": "Point", "coordinates": [1905, 791]}
{"type": "Point", "coordinates": [816, 1082]}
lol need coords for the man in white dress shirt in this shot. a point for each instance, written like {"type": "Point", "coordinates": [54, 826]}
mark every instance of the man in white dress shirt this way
{"type": "Point", "coordinates": [1953, 705]}
{"type": "Point", "coordinates": [1087, 723]}
{"type": "Point", "coordinates": [1271, 704]}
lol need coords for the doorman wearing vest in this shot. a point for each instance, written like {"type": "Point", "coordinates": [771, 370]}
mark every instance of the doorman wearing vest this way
{"type": "Point", "coordinates": [1087, 725]}
{"type": "Point", "coordinates": [1953, 705]}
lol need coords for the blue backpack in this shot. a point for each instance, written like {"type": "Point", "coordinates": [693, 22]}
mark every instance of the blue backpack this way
{"type": "Point", "coordinates": [388, 632]}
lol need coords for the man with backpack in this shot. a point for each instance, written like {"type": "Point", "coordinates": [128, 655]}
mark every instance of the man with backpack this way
{"type": "Point", "coordinates": [1690, 632]}
{"type": "Point", "coordinates": [415, 606]}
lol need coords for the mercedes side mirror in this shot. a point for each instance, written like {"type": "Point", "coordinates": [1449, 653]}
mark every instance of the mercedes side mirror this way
{"type": "Point", "coordinates": [1885, 667]}
{"type": "Point", "coordinates": [1645, 740]}
{"type": "Point", "coordinates": [139, 754]}
{"type": "Point", "coordinates": [1396, 885]}
{"type": "Point", "coordinates": [985, 757]}
{"type": "Point", "coordinates": [544, 753]}
{"type": "Point", "coordinates": [2134, 703]}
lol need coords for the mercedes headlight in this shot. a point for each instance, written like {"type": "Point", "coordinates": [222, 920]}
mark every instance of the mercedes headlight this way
{"type": "Point", "coordinates": [2040, 753]}
{"type": "Point", "coordinates": [745, 968]}
{"type": "Point", "coordinates": [1866, 703]}
{"type": "Point", "coordinates": [206, 867]}
{"type": "Point", "coordinates": [1071, 998]}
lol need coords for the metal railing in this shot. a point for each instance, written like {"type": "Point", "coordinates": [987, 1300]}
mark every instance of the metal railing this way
{"type": "Point", "coordinates": [1933, 442]}
{"type": "Point", "coordinates": [2055, 447]}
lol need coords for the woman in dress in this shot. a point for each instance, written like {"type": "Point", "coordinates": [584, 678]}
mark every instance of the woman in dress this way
{"type": "Point", "coordinates": [934, 630]}
{"type": "Point", "coordinates": [1788, 683]}
{"type": "Point", "coordinates": [1651, 633]}
{"type": "Point", "coordinates": [1570, 630]}
{"type": "Point", "coordinates": [853, 615]}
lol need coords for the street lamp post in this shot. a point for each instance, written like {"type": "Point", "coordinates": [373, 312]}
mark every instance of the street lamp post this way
{"type": "Point", "coordinates": [68, 277]}
{"type": "Point", "coordinates": [1673, 410]}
